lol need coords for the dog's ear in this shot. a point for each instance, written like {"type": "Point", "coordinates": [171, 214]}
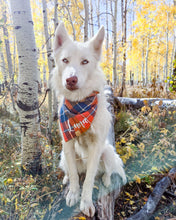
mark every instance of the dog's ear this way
{"type": "Point", "coordinates": [97, 41]}
{"type": "Point", "coordinates": [61, 36]}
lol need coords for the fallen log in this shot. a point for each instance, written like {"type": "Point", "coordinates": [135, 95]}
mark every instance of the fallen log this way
{"type": "Point", "coordinates": [148, 209]}
{"type": "Point", "coordinates": [137, 103]}
{"type": "Point", "coordinates": [103, 197]}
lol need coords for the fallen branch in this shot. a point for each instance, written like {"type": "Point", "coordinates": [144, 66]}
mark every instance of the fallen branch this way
{"type": "Point", "coordinates": [153, 200]}
{"type": "Point", "coordinates": [137, 103]}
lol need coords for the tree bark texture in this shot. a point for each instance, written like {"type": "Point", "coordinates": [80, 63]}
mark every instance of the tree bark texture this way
{"type": "Point", "coordinates": [27, 100]}
{"type": "Point", "coordinates": [86, 19]}
{"type": "Point", "coordinates": [124, 36]}
{"type": "Point", "coordinates": [114, 23]}
{"type": "Point", "coordinates": [50, 65]}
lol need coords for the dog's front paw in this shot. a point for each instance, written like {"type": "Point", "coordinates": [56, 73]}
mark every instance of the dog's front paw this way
{"type": "Point", "coordinates": [72, 197]}
{"type": "Point", "coordinates": [87, 208]}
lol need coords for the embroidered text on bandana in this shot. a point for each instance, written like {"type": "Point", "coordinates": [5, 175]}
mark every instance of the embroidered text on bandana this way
{"type": "Point", "coordinates": [76, 117]}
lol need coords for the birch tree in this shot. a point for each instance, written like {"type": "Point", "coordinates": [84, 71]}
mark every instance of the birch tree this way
{"type": "Point", "coordinates": [86, 11]}
{"type": "Point", "coordinates": [27, 100]}
{"type": "Point", "coordinates": [124, 37]}
{"type": "Point", "coordinates": [50, 65]}
{"type": "Point", "coordinates": [114, 24]}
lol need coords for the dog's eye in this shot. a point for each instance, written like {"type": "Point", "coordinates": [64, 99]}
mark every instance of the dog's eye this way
{"type": "Point", "coordinates": [84, 62]}
{"type": "Point", "coordinates": [65, 60]}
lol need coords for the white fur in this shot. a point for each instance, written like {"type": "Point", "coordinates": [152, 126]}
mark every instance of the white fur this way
{"type": "Point", "coordinates": [84, 153]}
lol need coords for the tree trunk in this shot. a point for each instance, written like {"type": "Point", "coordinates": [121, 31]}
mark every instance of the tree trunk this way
{"type": "Point", "coordinates": [124, 36]}
{"type": "Point", "coordinates": [142, 68]}
{"type": "Point", "coordinates": [70, 18]}
{"type": "Point", "coordinates": [167, 51]}
{"type": "Point", "coordinates": [55, 99]}
{"type": "Point", "coordinates": [114, 22]}
{"type": "Point", "coordinates": [56, 22]}
{"type": "Point", "coordinates": [107, 27]}
{"type": "Point", "coordinates": [50, 66]}
{"type": "Point", "coordinates": [9, 58]}
{"type": "Point", "coordinates": [86, 19]}
{"type": "Point", "coordinates": [146, 62]}
{"type": "Point", "coordinates": [7, 46]}
{"type": "Point", "coordinates": [3, 68]}
{"type": "Point", "coordinates": [98, 14]}
{"type": "Point", "coordinates": [27, 100]}
{"type": "Point", "coordinates": [91, 18]}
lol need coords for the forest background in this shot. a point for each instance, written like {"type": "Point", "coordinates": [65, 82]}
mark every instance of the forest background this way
{"type": "Point", "coordinates": [138, 61]}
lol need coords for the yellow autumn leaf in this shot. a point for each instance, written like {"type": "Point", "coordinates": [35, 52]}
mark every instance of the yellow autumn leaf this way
{"type": "Point", "coordinates": [141, 146]}
{"type": "Point", "coordinates": [80, 218]}
{"type": "Point", "coordinates": [10, 181]}
{"type": "Point", "coordinates": [137, 178]}
{"type": "Point", "coordinates": [123, 140]}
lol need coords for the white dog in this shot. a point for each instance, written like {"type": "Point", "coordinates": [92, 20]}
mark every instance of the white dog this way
{"type": "Point", "coordinates": [84, 118]}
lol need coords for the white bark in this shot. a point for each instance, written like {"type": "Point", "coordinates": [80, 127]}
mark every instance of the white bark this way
{"type": "Point", "coordinates": [146, 62]}
{"type": "Point", "coordinates": [3, 68]}
{"type": "Point", "coordinates": [142, 65]}
{"type": "Point", "coordinates": [27, 100]}
{"type": "Point", "coordinates": [114, 23]}
{"type": "Point", "coordinates": [50, 65]}
{"type": "Point", "coordinates": [70, 18]}
{"type": "Point", "coordinates": [56, 21]}
{"type": "Point", "coordinates": [7, 47]}
{"type": "Point", "coordinates": [91, 18]}
{"type": "Point", "coordinates": [86, 19]}
{"type": "Point", "coordinates": [167, 51]}
{"type": "Point", "coordinates": [107, 26]}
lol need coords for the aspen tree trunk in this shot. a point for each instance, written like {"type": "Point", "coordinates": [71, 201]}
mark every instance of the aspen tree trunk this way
{"type": "Point", "coordinates": [27, 100]}
{"type": "Point", "coordinates": [70, 19]}
{"type": "Point", "coordinates": [114, 22]}
{"type": "Point", "coordinates": [91, 18]}
{"type": "Point", "coordinates": [86, 19]}
{"type": "Point", "coordinates": [56, 21]}
{"type": "Point", "coordinates": [44, 74]}
{"type": "Point", "coordinates": [50, 65]}
{"type": "Point", "coordinates": [107, 27]}
{"type": "Point", "coordinates": [3, 68]}
{"type": "Point", "coordinates": [167, 51]}
{"type": "Point", "coordinates": [172, 58]}
{"type": "Point", "coordinates": [146, 62]}
{"type": "Point", "coordinates": [9, 58]}
{"type": "Point", "coordinates": [142, 65]}
{"type": "Point", "coordinates": [124, 35]}
{"type": "Point", "coordinates": [55, 100]}
{"type": "Point", "coordinates": [7, 46]}
{"type": "Point", "coordinates": [98, 14]}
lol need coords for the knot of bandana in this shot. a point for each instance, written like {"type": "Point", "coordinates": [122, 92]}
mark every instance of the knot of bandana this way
{"type": "Point", "coordinates": [76, 117]}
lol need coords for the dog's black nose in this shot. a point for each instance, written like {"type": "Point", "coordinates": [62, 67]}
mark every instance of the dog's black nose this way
{"type": "Point", "coordinates": [72, 81]}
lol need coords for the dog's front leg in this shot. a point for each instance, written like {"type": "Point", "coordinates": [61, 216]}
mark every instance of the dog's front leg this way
{"type": "Point", "coordinates": [86, 206]}
{"type": "Point", "coordinates": [74, 189]}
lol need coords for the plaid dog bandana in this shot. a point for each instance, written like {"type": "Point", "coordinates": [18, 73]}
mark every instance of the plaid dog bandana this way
{"type": "Point", "coordinates": [76, 117]}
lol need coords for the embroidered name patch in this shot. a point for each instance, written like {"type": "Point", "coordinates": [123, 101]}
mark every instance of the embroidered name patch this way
{"type": "Point", "coordinates": [76, 117]}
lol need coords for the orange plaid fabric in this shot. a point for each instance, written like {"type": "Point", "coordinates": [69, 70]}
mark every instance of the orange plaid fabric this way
{"type": "Point", "coordinates": [76, 117]}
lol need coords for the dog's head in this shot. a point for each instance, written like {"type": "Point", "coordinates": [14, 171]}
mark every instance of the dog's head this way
{"type": "Point", "coordinates": [77, 71]}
